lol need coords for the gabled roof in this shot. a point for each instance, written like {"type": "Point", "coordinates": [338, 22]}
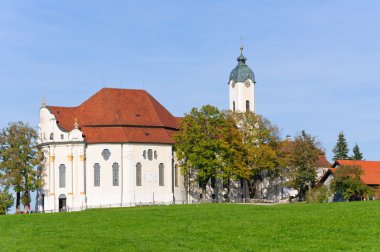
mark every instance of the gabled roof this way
{"type": "Point", "coordinates": [119, 115]}
{"type": "Point", "coordinates": [371, 170]}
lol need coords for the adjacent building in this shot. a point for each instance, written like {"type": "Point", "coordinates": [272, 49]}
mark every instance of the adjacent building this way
{"type": "Point", "coordinates": [370, 176]}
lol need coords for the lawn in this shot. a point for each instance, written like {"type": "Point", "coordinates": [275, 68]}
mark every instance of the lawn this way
{"type": "Point", "coordinates": [208, 227]}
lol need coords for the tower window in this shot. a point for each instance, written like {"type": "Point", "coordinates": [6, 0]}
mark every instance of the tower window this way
{"type": "Point", "coordinates": [246, 106]}
{"type": "Point", "coordinates": [233, 106]}
{"type": "Point", "coordinates": [51, 136]}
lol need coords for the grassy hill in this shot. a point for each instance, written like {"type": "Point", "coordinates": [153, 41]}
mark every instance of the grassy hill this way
{"type": "Point", "coordinates": [215, 227]}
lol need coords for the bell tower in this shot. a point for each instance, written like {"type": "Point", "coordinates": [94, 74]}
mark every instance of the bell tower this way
{"type": "Point", "coordinates": [242, 86]}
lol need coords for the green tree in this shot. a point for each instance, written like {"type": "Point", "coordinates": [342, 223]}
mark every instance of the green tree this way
{"type": "Point", "coordinates": [6, 201]}
{"type": "Point", "coordinates": [357, 155]}
{"type": "Point", "coordinates": [347, 182]}
{"type": "Point", "coordinates": [261, 143]}
{"type": "Point", "coordinates": [302, 164]}
{"type": "Point", "coordinates": [207, 145]}
{"type": "Point", "coordinates": [341, 148]}
{"type": "Point", "coordinates": [20, 157]}
{"type": "Point", "coordinates": [232, 151]}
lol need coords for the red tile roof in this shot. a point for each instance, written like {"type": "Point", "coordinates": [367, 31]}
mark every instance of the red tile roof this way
{"type": "Point", "coordinates": [119, 115]}
{"type": "Point", "coordinates": [371, 170]}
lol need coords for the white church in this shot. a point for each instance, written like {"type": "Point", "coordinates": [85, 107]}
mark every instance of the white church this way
{"type": "Point", "coordinates": [116, 149]}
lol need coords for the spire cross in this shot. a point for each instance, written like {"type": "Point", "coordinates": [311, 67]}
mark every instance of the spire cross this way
{"type": "Point", "coordinates": [241, 44]}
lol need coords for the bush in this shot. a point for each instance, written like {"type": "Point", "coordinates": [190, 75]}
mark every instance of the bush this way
{"type": "Point", "coordinates": [318, 195]}
{"type": "Point", "coordinates": [6, 201]}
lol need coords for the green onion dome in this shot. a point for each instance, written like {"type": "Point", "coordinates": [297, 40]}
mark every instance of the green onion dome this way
{"type": "Point", "coordinates": [242, 72]}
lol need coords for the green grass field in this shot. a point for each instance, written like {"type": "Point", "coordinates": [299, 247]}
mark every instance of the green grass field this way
{"type": "Point", "coordinates": [215, 227]}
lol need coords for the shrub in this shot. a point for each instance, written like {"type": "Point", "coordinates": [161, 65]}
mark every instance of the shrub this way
{"type": "Point", "coordinates": [318, 195]}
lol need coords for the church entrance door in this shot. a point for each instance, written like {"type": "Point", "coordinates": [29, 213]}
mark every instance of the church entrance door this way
{"type": "Point", "coordinates": [62, 203]}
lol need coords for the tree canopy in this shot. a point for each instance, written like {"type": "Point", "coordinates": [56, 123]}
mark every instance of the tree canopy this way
{"type": "Point", "coordinates": [347, 182]}
{"type": "Point", "coordinates": [19, 157]}
{"type": "Point", "coordinates": [357, 155]}
{"type": "Point", "coordinates": [208, 143]}
{"type": "Point", "coordinates": [226, 145]}
{"type": "Point", "coordinates": [261, 143]}
{"type": "Point", "coordinates": [341, 148]}
{"type": "Point", "coordinates": [302, 164]}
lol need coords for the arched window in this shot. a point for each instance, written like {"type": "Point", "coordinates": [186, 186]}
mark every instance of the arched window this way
{"type": "Point", "coordinates": [155, 154]}
{"type": "Point", "coordinates": [62, 136]}
{"type": "Point", "coordinates": [233, 106]}
{"type": "Point", "coordinates": [150, 154]}
{"type": "Point", "coordinates": [161, 174]}
{"type": "Point", "coordinates": [115, 174]}
{"type": "Point", "coordinates": [62, 176]}
{"type": "Point", "coordinates": [51, 136]}
{"type": "Point", "coordinates": [246, 106]}
{"type": "Point", "coordinates": [176, 175]}
{"type": "Point", "coordinates": [96, 174]}
{"type": "Point", "coordinates": [144, 154]}
{"type": "Point", "coordinates": [138, 174]}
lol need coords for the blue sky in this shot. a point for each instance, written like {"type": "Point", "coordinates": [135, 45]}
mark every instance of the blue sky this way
{"type": "Point", "coordinates": [316, 62]}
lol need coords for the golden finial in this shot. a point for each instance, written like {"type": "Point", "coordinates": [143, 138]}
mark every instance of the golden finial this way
{"type": "Point", "coordinates": [75, 123]}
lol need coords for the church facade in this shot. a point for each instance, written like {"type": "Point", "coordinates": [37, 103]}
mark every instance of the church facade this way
{"type": "Point", "coordinates": [115, 149]}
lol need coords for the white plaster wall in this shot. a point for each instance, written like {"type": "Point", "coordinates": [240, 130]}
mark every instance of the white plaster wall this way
{"type": "Point", "coordinates": [106, 193]}
{"type": "Point", "coordinates": [62, 148]}
{"type": "Point", "coordinates": [150, 189]}
{"type": "Point", "coordinates": [240, 93]}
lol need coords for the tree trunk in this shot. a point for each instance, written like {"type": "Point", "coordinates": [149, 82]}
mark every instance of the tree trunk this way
{"type": "Point", "coordinates": [18, 199]}
{"type": "Point", "coordinates": [203, 192]}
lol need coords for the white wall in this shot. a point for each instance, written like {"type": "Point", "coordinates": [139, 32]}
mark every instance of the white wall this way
{"type": "Point", "coordinates": [240, 94]}
{"type": "Point", "coordinates": [79, 160]}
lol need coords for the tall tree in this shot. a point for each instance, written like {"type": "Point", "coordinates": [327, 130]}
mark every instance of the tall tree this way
{"type": "Point", "coordinates": [347, 182]}
{"type": "Point", "coordinates": [341, 148]}
{"type": "Point", "coordinates": [202, 144]}
{"type": "Point", "coordinates": [19, 157]}
{"type": "Point", "coordinates": [261, 148]}
{"type": "Point", "coordinates": [232, 151]}
{"type": "Point", "coordinates": [357, 155]}
{"type": "Point", "coordinates": [302, 164]}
